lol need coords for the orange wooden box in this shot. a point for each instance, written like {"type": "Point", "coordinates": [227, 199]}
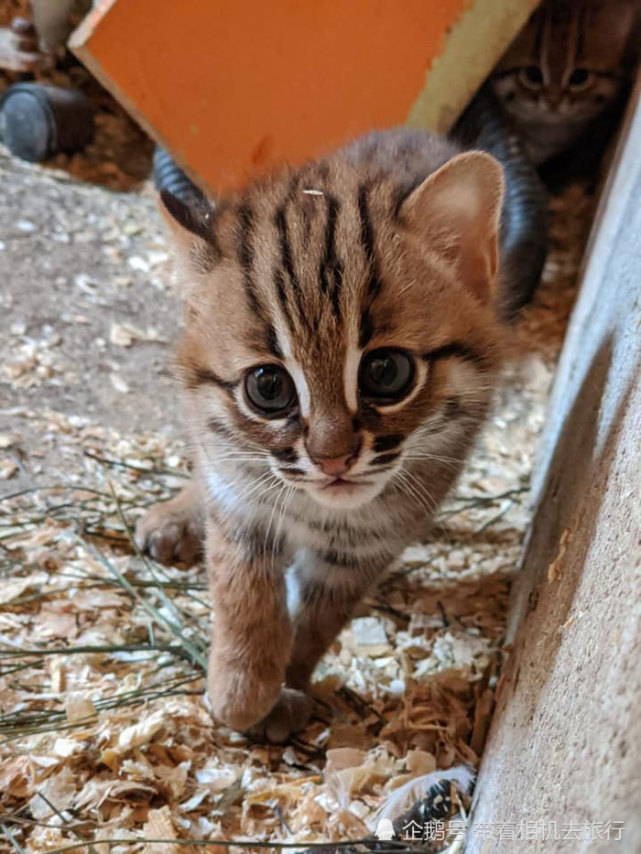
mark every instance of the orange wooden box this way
{"type": "Point", "coordinates": [235, 86]}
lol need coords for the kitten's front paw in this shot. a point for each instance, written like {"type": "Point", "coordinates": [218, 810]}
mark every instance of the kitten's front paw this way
{"type": "Point", "coordinates": [289, 715]}
{"type": "Point", "coordinates": [238, 697]}
{"type": "Point", "coordinates": [172, 531]}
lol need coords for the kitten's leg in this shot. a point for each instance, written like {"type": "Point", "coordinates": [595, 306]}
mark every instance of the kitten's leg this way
{"type": "Point", "coordinates": [251, 640]}
{"type": "Point", "coordinates": [321, 600]}
{"type": "Point", "coordinates": [174, 529]}
{"type": "Point", "coordinates": [326, 599]}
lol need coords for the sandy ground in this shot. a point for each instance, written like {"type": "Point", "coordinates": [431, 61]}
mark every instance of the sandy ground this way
{"type": "Point", "coordinates": [87, 313]}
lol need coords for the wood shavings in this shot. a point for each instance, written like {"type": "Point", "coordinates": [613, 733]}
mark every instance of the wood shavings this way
{"type": "Point", "coordinates": [369, 631]}
{"type": "Point", "coordinates": [30, 365]}
{"type": "Point", "coordinates": [120, 384]}
{"type": "Point", "coordinates": [160, 826]}
{"type": "Point", "coordinates": [556, 566]}
{"type": "Point", "coordinates": [571, 620]}
{"type": "Point", "coordinates": [124, 334]}
{"type": "Point", "coordinates": [8, 440]}
{"type": "Point", "coordinates": [15, 778]}
{"type": "Point", "coordinates": [55, 794]}
{"type": "Point", "coordinates": [65, 748]}
{"type": "Point", "coordinates": [141, 733]}
{"type": "Point", "coordinates": [78, 708]}
{"type": "Point", "coordinates": [8, 469]}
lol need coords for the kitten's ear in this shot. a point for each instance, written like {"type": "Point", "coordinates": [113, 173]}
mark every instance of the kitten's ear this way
{"type": "Point", "coordinates": [458, 209]}
{"type": "Point", "coordinates": [189, 224]}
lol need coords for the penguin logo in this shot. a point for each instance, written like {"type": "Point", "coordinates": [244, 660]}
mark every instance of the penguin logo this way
{"type": "Point", "coordinates": [384, 830]}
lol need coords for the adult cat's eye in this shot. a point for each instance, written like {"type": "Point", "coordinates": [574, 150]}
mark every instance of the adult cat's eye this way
{"type": "Point", "coordinates": [579, 79]}
{"type": "Point", "coordinates": [270, 390]}
{"type": "Point", "coordinates": [531, 76]}
{"type": "Point", "coordinates": [386, 375]}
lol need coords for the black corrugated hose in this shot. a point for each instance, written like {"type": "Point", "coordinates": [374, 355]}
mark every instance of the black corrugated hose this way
{"type": "Point", "coordinates": [525, 220]}
{"type": "Point", "coordinates": [169, 176]}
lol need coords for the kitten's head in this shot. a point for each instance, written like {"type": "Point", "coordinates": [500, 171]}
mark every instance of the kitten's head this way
{"type": "Point", "coordinates": [569, 62]}
{"type": "Point", "coordinates": [339, 325]}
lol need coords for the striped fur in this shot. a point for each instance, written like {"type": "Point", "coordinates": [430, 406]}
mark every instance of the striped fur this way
{"type": "Point", "coordinates": [568, 67]}
{"type": "Point", "coordinates": [391, 243]}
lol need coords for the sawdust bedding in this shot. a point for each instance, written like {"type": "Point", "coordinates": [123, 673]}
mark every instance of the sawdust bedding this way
{"type": "Point", "coordinates": [104, 729]}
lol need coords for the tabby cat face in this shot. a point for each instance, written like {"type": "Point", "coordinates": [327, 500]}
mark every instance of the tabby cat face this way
{"type": "Point", "coordinates": [534, 92]}
{"type": "Point", "coordinates": [339, 327]}
{"type": "Point", "coordinates": [567, 65]}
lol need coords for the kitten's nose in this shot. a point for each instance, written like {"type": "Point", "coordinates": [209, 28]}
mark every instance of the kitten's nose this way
{"type": "Point", "coordinates": [335, 466]}
{"type": "Point", "coordinates": [554, 98]}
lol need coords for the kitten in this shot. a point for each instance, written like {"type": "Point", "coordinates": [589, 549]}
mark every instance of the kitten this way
{"type": "Point", "coordinates": [340, 349]}
{"type": "Point", "coordinates": [565, 76]}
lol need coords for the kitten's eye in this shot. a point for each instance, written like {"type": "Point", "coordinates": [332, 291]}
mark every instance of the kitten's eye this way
{"type": "Point", "coordinates": [386, 375]}
{"type": "Point", "coordinates": [531, 76]}
{"type": "Point", "coordinates": [270, 390]}
{"type": "Point", "coordinates": [580, 78]}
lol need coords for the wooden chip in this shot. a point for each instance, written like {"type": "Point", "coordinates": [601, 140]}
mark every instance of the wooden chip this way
{"type": "Point", "coordinates": [160, 826]}
{"type": "Point", "coordinates": [556, 567]}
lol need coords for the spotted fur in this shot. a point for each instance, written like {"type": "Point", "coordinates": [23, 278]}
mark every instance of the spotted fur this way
{"type": "Point", "coordinates": [390, 243]}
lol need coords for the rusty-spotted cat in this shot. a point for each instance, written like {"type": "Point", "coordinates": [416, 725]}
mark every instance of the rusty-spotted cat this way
{"type": "Point", "coordinates": [563, 79]}
{"type": "Point", "coordinates": [341, 345]}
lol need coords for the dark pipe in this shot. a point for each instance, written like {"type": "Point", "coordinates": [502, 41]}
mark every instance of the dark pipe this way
{"type": "Point", "coordinates": [38, 120]}
{"type": "Point", "coordinates": [168, 176]}
{"type": "Point", "coordinates": [525, 220]}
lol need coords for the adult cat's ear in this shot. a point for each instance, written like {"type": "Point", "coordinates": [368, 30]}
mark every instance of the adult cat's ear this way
{"type": "Point", "coordinates": [190, 224]}
{"type": "Point", "coordinates": [457, 211]}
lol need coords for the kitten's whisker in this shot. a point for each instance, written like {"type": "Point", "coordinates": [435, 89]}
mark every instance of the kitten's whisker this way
{"type": "Point", "coordinates": [284, 505]}
{"type": "Point", "coordinates": [449, 464]}
{"type": "Point", "coordinates": [269, 524]}
{"type": "Point", "coordinates": [423, 490]}
{"type": "Point", "coordinates": [404, 482]}
{"type": "Point", "coordinates": [409, 490]}
{"type": "Point", "coordinates": [242, 496]}
{"type": "Point", "coordinates": [230, 450]}
{"type": "Point", "coordinates": [240, 459]}
{"type": "Point", "coordinates": [417, 489]}
{"type": "Point", "coordinates": [426, 455]}
{"type": "Point", "coordinates": [233, 512]}
{"type": "Point", "coordinates": [214, 459]}
{"type": "Point", "coordinates": [267, 478]}
{"type": "Point", "coordinates": [232, 442]}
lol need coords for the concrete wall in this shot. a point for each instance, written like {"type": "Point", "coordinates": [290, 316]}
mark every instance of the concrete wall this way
{"type": "Point", "coordinates": [565, 744]}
